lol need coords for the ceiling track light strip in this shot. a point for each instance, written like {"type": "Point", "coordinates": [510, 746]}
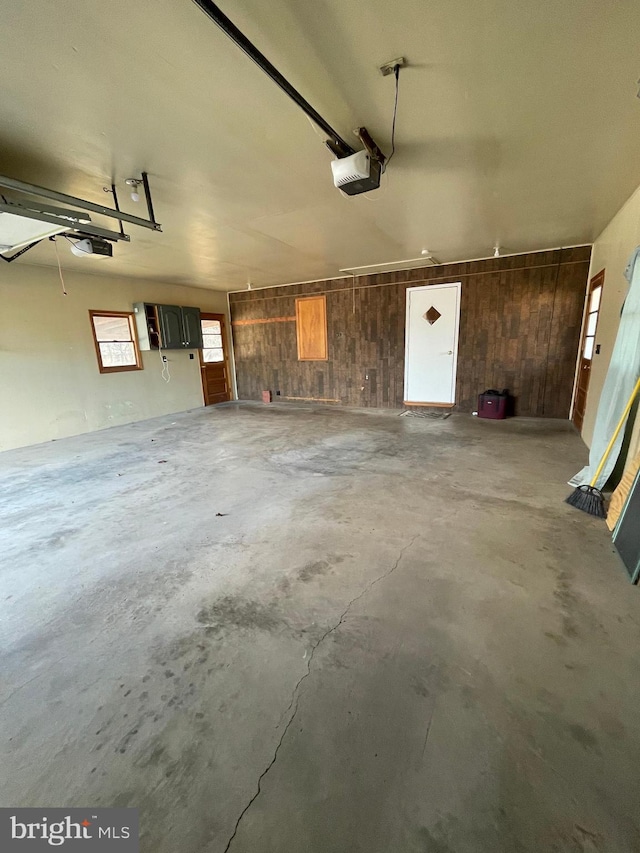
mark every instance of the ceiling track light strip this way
{"type": "Point", "coordinates": [336, 143]}
{"type": "Point", "coordinates": [43, 192]}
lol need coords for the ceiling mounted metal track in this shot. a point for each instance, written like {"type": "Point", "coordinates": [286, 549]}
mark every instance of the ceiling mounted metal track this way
{"type": "Point", "coordinates": [43, 192]}
{"type": "Point", "coordinates": [74, 221]}
{"type": "Point", "coordinates": [335, 142]}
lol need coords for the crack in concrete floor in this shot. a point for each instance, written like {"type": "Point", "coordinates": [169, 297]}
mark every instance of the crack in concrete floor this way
{"type": "Point", "coordinates": [295, 696]}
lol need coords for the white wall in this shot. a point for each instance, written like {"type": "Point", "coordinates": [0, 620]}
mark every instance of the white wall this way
{"type": "Point", "coordinates": [50, 386]}
{"type": "Point", "coordinates": [611, 252]}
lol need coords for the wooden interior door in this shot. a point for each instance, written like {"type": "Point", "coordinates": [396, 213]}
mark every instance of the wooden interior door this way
{"type": "Point", "coordinates": [588, 348]}
{"type": "Point", "coordinates": [214, 363]}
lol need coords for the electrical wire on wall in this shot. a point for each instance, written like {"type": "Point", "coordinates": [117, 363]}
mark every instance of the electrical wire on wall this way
{"type": "Point", "coordinates": [164, 360]}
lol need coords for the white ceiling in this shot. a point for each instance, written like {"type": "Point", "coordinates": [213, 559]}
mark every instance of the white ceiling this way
{"type": "Point", "coordinates": [518, 123]}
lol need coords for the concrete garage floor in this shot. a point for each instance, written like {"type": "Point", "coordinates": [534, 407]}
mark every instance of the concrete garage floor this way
{"type": "Point", "coordinates": [396, 638]}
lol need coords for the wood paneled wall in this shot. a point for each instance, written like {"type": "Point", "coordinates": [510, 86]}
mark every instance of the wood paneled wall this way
{"type": "Point", "coordinates": [519, 329]}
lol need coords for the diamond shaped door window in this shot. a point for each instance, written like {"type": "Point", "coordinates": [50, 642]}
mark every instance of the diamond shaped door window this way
{"type": "Point", "coordinates": [432, 315]}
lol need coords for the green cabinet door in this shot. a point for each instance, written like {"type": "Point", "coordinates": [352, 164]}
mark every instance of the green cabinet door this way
{"type": "Point", "coordinates": [192, 328]}
{"type": "Point", "coordinates": [171, 327]}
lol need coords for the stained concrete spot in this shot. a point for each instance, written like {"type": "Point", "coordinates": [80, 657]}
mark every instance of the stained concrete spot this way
{"type": "Point", "coordinates": [123, 800]}
{"type": "Point", "coordinates": [429, 843]}
{"type": "Point", "coordinates": [557, 639]}
{"type": "Point", "coordinates": [419, 687]}
{"type": "Point", "coordinates": [313, 569]}
{"type": "Point", "coordinates": [59, 538]}
{"type": "Point", "coordinates": [284, 586]}
{"type": "Point", "coordinates": [584, 737]}
{"type": "Point", "coordinates": [233, 612]}
{"type": "Point", "coordinates": [587, 841]}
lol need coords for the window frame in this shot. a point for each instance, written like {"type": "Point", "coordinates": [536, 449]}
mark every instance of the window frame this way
{"type": "Point", "coordinates": [219, 318]}
{"type": "Point", "coordinates": [130, 317]}
{"type": "Point", "coordinates": [597, 283]}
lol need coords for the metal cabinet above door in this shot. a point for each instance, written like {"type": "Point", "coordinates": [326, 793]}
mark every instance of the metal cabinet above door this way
{"type": "Point", "coordinates": [171, 329]}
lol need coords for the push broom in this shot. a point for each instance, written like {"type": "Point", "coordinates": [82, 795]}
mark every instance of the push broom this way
{"type": "Point", "coordinates": [587, 497]}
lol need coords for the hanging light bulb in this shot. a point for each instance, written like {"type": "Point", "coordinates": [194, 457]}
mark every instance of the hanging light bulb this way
{"type": "Point", "coordinates": [134, 183]}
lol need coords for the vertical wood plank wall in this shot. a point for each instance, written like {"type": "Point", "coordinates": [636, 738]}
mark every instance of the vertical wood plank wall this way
{"type": "Point", "coordinates": [519, 329]}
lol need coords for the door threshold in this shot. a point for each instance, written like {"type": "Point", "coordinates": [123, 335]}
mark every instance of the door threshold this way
{"type": "Point", "coordinates": [437, 405]}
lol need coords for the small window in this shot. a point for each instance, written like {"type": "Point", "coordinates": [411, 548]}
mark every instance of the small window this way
{"type": "Point", "coordinates": [212, 349]}
{"type": "Point", "coordinates": [311, 328]}
{"type": "Point", "coordinates": [588, 344]}
{"type": "Point", "coordinates": [114, 336]}
{"type": "Point", "coordinates": [588, 348]}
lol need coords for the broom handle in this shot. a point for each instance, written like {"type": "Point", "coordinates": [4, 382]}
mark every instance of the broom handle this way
{"type": "Point", "coordinates": [623, 418]}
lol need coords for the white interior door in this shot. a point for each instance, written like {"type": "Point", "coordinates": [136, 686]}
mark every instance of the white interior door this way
{"type": "Point", "coordinates": [431, 343]}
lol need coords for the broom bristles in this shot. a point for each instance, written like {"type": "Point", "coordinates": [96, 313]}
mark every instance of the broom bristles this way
{"type": "Point", "coordinates": [589, 500]}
